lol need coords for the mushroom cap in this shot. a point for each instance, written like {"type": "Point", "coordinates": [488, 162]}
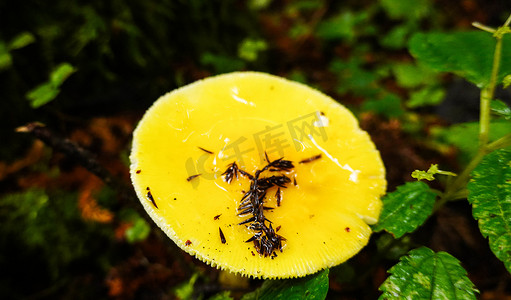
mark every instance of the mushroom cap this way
{"type": "Point", "coordinates": [202, 128]}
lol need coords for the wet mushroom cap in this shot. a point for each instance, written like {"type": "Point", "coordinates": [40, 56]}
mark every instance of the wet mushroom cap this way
{"type": "Point", "coordinates": [189, 138]}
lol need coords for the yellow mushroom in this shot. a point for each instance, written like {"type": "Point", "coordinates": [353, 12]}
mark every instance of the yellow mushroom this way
{"type": "Point", "coordinates": [202, 150]}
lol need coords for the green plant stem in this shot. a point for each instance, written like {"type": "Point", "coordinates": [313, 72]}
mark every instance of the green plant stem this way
{"type": "Point", "coordinates": [458, 185]}
{"type": "Point", "coordinates": [461, 181]}
{"type": "Point", "coordinates": [483, 27]}
{"type": "Point", "coordinates": [501, 143]}
{"type": "Point", "coordinates": [508, 21]}
{"type": "Point", "coordinates": [487, 94]}
{"type": "Point", "coordinates": [456, 189]}
{"type": "Point", "coordinates": [484, 116]}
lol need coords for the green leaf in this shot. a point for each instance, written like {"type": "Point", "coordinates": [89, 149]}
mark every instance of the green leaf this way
{"type": "Point", "coordinates": [424, 274]}
{"type": "Point", "coordinates": [310, 287]}
{"type": "Point", "coordinates": [138, 232]}
{"type": "Point", "coordinates": [222, 296]}
{"type": "Point", "coordinates": [465, 136]}
{"type": "Point", "coordinates": [500, 108]}
{"type": "Point", "coordinates": [342, 26]}
{"type": "Point", "coordinates": [412, 75]}
{"type": "Point", "coordinates": [467, 54]}
{"type": "Point", "coordinates": [506, 81]}
{"type": "Point", "coordinates": [425, 97]}
{"type": "Point", "coordinates": [353, 77]}
{"type": "Point", "coordinates": [42, 94]}
{"type": "Point", "coordinates": [49, 90]}
{"type": "Point", "coordinates": [406, 208]}
{"type": "Point", "coordinates": [5, 56]}
{"type": "Point", "coordinates": [298, 75]}
{"type": "Point", "coordinates": [258, 4]}
{"type": "Point", "coordinates": [21, 40]}
{"type": "Point", "coordinates": [408, 75]}
{"type": "Point", "coordinates": [397, 37]}
{"type": "Point", "coordinates": [490, 196]}
{"type": "Point", "coordinates": [222, 63]}
{"type": "Point", "coordinates": [389, 106]}
{"type": "Point", "coordinates": [297, 6]}
{"type": "Point", "coordinates": [185, 290]}
{"type": "Point", "coordinates": [249, 48]}
{"type": "Point", "coordinates": [406, 9]}
{"type": "Point", "coordinates": [61, 73]}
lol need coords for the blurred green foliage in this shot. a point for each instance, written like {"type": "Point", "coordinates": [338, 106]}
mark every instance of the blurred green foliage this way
{"type": "Point", "coordinates": [19, 41]}
{"type": "Point", "coordinates": [47, 91]}
{"type": "Point", "coordinates": [185, 290]}
{"type": "Point", "coordinates": [127, 53]}
{"type": "Point", "coordinates": [139, 229]}
{"type": "Point", "coordinates": [66, 61]}
{"type": "Point", "coordinates": [46, 230]}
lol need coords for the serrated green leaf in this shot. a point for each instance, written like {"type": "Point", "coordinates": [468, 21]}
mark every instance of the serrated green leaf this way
{"type": "Point", "coordinates": [467, 54]}
{"type": "Point", "coordinates": [424, 274]}
{"type": "Point", "coordinates": [406, 208]}
{"type": "Point", "coordinates": [500, 108]}
{"type": "Point", "coordinates": [311, 287]}
{"type": "Point", "coordinates": [490, 196]}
